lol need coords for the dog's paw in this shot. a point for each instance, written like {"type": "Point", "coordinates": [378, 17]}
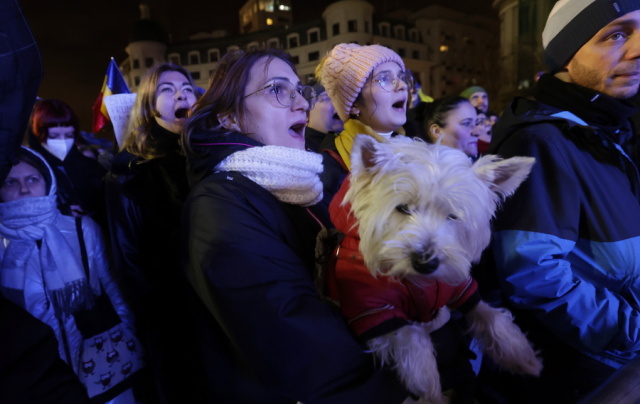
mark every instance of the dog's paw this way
{"type": "Point", "coordinates": [443, 316]}
{"type": "Point", "coordinates": [503, 340]}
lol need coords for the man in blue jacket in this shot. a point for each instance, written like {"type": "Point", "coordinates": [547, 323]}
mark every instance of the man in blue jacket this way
{"type": "Point", "coordinates": [567, 245]}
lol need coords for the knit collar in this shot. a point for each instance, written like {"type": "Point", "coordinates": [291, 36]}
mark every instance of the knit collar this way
{"type": "Point", "coordinates": [291, 175]}
{"type": "Point", "coordinates": [597, 109]}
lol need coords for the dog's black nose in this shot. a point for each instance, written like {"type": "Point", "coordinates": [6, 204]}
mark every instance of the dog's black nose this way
{"type": "Point", "coordinates": [424, 264]}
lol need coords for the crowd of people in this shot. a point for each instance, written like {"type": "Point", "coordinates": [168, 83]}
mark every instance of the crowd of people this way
{"type": "Point", "coordinates": [187, 264]}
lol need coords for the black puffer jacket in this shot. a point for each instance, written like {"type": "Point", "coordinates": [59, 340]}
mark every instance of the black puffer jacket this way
{"type": "Point", "coordinates": [269, 337]}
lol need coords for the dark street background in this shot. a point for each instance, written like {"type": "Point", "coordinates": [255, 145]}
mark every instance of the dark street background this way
{"type": "Point", "coordinates": [77, 38]}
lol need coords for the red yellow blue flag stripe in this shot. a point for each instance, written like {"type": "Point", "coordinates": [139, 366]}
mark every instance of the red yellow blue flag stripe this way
{"type": "Point", "coordinates": [113, 83]}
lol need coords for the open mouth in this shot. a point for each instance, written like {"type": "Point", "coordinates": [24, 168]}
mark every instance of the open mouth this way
{"type": "Point", "coordinates": [399, 104]}
{"type": "Point", "coordinates": [181, 113]}
{"type": "Point", "coordinates": [298, 129]}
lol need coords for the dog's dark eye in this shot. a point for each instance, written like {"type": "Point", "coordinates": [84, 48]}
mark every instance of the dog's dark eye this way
{"type": "Point", "coordinates": [403, 208]}
{"type": "Point", "coordinates": [452, 217]}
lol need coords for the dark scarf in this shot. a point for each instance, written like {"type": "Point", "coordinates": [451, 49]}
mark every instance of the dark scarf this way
{"type": "Point", "coordinates": [165, 141]}
{"type": "Point", "coordinates": [597, 109]}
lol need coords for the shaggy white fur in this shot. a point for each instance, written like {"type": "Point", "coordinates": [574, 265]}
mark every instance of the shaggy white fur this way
{"type": "Point", "coordinates": [423, 213]}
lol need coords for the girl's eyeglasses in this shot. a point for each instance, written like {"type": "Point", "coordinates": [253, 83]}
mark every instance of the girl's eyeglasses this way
{"type": "Point", "coordinates": [388, 83]}
{"type": "Point", "coordinates": [285, 92]}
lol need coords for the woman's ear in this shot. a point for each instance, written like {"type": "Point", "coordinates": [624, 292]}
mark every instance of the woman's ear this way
{"type": "Point", "coordinates": [229, 122]}
{"type": "Point", "coordinates": [435, 130]}
{"type": "Point", "coordinates": [355, 111]}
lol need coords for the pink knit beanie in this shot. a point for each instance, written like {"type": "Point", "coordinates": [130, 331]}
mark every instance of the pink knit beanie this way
{"type": "Point", "coordinates": [345, 70]}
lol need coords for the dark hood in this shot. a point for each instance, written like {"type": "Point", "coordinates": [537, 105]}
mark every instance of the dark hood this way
{"type": "Point", "coordinates": [521, 112]}
{"type": "Point", "coordinates": [210, 148]}
{"type": "Point", "coordinates": [551, 96]}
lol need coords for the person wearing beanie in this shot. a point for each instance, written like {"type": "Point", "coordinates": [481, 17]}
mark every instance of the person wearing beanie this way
{"type": "Point", "coordinates": [478, 97]}
{"type": "Point", "coordinates": [566, 245]}
{"type": "Point", "coordinates": [324, 121]}
{"type": "Point", "coordinates": [368, 88]}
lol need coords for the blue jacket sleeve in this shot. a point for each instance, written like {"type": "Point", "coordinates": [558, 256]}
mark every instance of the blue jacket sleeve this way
{"type": "Point", "coordinates": [565, 247]}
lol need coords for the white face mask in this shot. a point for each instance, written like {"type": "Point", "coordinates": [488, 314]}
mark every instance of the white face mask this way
{"type": "Point", "coordinates": [58, 147]}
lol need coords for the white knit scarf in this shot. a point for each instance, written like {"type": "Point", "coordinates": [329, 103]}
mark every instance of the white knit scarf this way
{"type": "Point", "coordinates": [24, 222]}
{"type": "Point", "coordinates": [291, 175]}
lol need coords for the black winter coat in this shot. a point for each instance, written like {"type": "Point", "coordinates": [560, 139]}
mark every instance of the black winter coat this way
{"type": "Point", "coordinates": [79, 179]}
{"type": "Point", "coordinates": [144, 203]}
{"type": "Point", "coordinates": [269, 337]}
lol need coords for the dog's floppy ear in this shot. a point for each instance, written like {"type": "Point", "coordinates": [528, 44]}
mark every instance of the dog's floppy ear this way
{"type": "Point", "coordinates": [503, 176]}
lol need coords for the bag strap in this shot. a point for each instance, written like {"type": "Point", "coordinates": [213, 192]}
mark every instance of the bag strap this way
{"type": "Point", "coordinates": [83, 248]}
{"type": "Point", "coordinates": [337, 158]}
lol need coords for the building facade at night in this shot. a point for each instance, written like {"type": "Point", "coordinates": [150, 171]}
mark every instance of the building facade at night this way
{"type": "Point", "coordinates": [521, 25]}
{"type": "Point", "coordinates": [445, 49]}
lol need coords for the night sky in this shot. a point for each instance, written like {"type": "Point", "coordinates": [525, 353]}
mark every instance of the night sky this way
{"type": "Point", "coordinates": [77, 38]}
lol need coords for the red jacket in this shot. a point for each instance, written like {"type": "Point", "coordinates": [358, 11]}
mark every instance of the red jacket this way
{"type": "Point", "coordinates": [375, 306]}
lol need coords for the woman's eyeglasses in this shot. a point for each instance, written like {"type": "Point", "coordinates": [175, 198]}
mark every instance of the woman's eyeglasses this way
{"type": "Point", "coordinates": [388, 82]}
{"type": "Point", "coordinates": [285, 92]}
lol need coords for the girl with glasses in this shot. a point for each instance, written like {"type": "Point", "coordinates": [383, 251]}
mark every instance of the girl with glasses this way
{"type": "Point", "coordinates": [250, 226]}
{"type": "Point", "coordinates": [368, 87]}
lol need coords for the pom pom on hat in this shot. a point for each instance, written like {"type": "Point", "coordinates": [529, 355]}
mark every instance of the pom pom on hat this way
{"type": "Point", "coordinates": [572, 23]}
{"type": "Point", "coordinates": [345, 70]}
{"type": "Point", "coordinates": [472, 90]}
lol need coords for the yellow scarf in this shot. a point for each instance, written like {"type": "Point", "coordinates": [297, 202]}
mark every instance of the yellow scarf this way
{"type": "Point", "coordinates": [353, 127]}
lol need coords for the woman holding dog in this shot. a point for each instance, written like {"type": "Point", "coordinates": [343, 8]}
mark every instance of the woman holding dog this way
{"type": "Point", "coordinates": [369, 90]}
{"type": "Point", "coordinates": [249, 230]}
{"type": "Point", "coordinates": [368, 86]}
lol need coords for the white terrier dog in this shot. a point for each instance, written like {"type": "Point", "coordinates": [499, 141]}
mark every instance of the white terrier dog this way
{"type": "Point", "coordinates": [419, 216]}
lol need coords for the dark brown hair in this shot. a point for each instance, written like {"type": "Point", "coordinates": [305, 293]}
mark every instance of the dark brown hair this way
{"type": "Point", "coordinates": [225, 95]}
{"type": "Point", "coordinates": [138, 139]}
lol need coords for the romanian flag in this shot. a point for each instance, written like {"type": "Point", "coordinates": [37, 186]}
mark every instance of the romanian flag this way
{"type": "Point", "coordinates": [113, 83]}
